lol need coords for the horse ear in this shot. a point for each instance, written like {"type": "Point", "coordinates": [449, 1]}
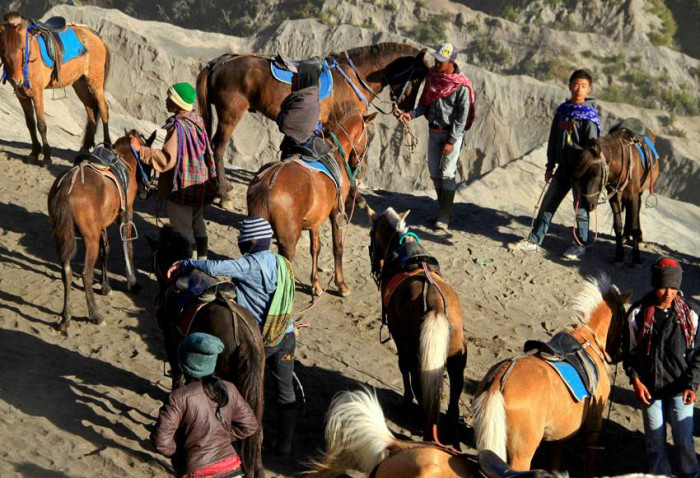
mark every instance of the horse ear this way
{"type": "Point", "coordinates": [369, 118]}
{"type": "Point", "coordinates": [426, 58]}
{"type": "Point", "coordinates": [372, 215]}
{"type": "Point", "coordinates": [626, 296]}
{"type": "Point", "coordinates": [404, 214]}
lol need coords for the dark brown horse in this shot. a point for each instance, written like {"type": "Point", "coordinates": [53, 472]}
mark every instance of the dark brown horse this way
{"type": "Point", "coordinates": [357, 438]}
{"type": "Point", "coordinates": [238, 83]}
{"type": "Point", "coordinates": [523, 401]}
{"type": "Point", "coordinates": [294, 198]}
{"type": "Point", "coordinates": [243, 360]}
{"type": "Point", "coordinates": [615, 165]}
{"type": "Point", "coordinates": [87, 74]}
{"type": "Point", "coordinates": [86, 200]}
{"type": "Point", "coordinates": [424, 317]}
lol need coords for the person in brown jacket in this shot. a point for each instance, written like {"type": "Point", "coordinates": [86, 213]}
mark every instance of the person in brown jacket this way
{"type": "Point", "coordinates": [199, 422]}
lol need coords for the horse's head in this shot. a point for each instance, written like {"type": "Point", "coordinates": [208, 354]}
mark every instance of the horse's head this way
{"type": "Point", "coordinates": [589, 171]}
{"type": "Point", "coordinates": [617, 302]}
{"type": "Point", "coordinates": [385, 234]}
{"type": "Point", "coordinates": [353, 135]}
{"type": "Point", "coordinates": [169, 248]}
{"type": "Point", "coordinates": [12, 46]}
{"type": "Point", "coordinates": [144, 173]}
{"type": "Point", "coordinates": [405, 79]}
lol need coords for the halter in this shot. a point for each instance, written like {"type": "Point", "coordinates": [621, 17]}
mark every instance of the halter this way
{"type": "Point", "coordinates": [377, 270]}
{"type": "Point", "coordinates": [353, 174]}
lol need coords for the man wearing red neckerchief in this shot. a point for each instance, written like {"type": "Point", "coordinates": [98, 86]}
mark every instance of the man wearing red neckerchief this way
{"type": "Point", "coordinates": [448, 104]}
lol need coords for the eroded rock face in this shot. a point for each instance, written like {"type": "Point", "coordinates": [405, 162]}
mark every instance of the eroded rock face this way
{"type": "Point", "coordinates": [513, 118]}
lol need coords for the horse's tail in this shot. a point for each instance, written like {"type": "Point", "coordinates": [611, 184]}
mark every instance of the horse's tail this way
{"type": "Point", "coordinates": [490, 422]}
{"type": "Point", "coordinates": [61, 219]}
{"type": "Point", "coordinates": [108, 63]}
{"type": "Point", "coordinates": [257, 199]}
{"type": "Point", "coordinates": [203, 98]}
{"type": "Point", "coordinates": [357, 437]}
{"type": "Point", "coordinates": [433, 349]}
{"type": "Point", "coordinates": [251, 366]}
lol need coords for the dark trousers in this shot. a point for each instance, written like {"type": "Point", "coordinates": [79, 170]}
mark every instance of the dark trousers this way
{"type": "Point", "coordinates": [279, 362]}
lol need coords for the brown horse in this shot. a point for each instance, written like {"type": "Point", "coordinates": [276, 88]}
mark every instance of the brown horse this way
{"type": "Point", "coordinates": [357, 438]}
{"type": "Point", "coordinates": [615, 165]}
{"type": "Point", "coordinates": [293, 198]}
{"type": "Point", "coordinates": [424, 317]}
{"type": "Point", "coordinates": [87, 74]}
{"type": "Point", "coordinates": [83, 199]}
{"type": "Point", "coordinates": [234, 84]}
{"type": "Point", "coordinates": [243, 360]}
{"type": "Point", "coordinates": [523, 401]}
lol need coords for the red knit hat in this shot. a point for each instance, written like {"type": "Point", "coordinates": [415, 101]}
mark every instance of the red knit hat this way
{"type": "Point", "coordinates": [666, 272]}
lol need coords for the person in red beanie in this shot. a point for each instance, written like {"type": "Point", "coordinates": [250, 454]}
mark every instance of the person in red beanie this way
{"type": "Point", "coordinates": [663, 363]}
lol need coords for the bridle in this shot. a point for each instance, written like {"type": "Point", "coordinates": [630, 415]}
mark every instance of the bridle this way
{"type": "Point", "coordinates": [602, 193]}
{"type": "Point", "coordinates": [374, 260]}
{"type": "Point", "coordinates": [363, 141]}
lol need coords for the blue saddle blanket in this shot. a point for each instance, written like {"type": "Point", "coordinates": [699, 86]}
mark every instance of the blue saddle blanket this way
{"type": "Point", "coordinates": [72, 47]}
{"type": "Point", "coordinates": [319, 166]}
{"type": "Point", "coordinates": [571, 378]}
{"type": "Point", "coordinates": [326, 79]}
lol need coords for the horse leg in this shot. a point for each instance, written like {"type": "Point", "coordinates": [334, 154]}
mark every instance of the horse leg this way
{"type": "Point", "coordinates": [28, 110]}
{"type": "Point", "coordinates": [98, 93]}
{"type": "Point", "coordinates": [404, 368]}
{"type": "Point", "coordinates": [67, 276]}
{"type": "Point", "coordinates": [227, 121]}
{"type": "Point", "coordinates": [636, 230]}
{"type": "Point", "coordinates": [455, 370]}
{"type": "Point", "coordinates": [315, 248]}
{"type": "Point", "coordinates": [338, 254]}
{"type": "Point", "coordinates": [616, 206]}
{"type": "Point", "coordinates": [82, 89]}
{"type": "Point", "coordinates": [41, 126]}
{"type": "Point", "coordinates": [92, 244]}
{"type": "Point", "coordinates": [556, 449]}
{"type": "Point", "coordinates": [127, 244]}
{"type": "Point", "coordinates": [104, 253]}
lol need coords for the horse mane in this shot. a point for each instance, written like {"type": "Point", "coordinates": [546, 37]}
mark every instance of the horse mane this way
{"type": "Point", "coordinates": [594, 289]}
{"type": "Point", "coordinates": [395, 221]}
{"type": "Point", "coordinates": [335, 120]}
{"type": "Point", "coordinates": [362, 52]}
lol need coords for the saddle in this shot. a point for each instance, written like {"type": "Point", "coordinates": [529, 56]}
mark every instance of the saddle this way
{"type": "Point", "coordinates": [564, 347]}
{"type": "Point", "coordinates": [286, 63]}
{"type": "Point", "coordinates": [105, 158]}
{"type": "Point", "coordinates": [52, 25]}
{"type": "Point", "coordinates": [408, 257]}
{"type": "Point", "coordinates": [636, 133]}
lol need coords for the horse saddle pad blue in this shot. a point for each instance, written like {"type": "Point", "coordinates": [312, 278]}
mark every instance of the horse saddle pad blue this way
{"type": "Point", "coordinates": [318, 166]}
{"type": "Point", "coordinates": [643, 153]}
{"type": "Point", "coordinates": [571, 378]}
{"type": "Point", "coordinates": [72, 47]}
{"type": "Point", "coordinates": [326, 79]}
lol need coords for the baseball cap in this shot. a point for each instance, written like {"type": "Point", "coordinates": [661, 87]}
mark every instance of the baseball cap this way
{"type": "Point", "coordinates": [445, 52]}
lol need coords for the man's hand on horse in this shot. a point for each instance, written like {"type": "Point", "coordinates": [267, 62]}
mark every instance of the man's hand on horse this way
{"type": "Point", "coordinates": [174, 271]}
{"type": "Point", "coordinates": [548, 175]}
{"type": "Point", "coordinates": [136, 144]}
{"type": "Point", "coordinates": [642, 392]}
{"type": "Point", "coordinates": [447, 149]}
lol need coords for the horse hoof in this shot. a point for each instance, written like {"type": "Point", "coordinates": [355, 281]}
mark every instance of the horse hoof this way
{"type": "Point", "coordinates": [226, 204]}
{"type": "Point", "coordinates": [106, 290]}
{"type": "Point", "coordinates": [62, 327]}
{"type": "Point", "coordinates": [135, 288]}
{"type": "Point", "coordinates": [344, 291]}
{"type": "Point", "coordinates": [98, 320]}
{"type": "Point", "coordinates": [316, 291]}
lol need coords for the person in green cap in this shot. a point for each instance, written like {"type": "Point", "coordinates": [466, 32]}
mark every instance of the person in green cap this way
{"type": "Point", "coordinates": [199, 422]}
{"type": "Point", "coordinates": [186, 163]}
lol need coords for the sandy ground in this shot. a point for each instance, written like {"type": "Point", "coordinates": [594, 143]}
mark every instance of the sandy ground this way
{"type": "Point", "coordinates": [83, 405]}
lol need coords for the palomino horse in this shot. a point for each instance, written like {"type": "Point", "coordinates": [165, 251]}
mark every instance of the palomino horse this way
{"type": "Point", "coordinates": [234, 84]}
{"type": "Point", "coordinates": [357, 438]}
{"type": "Point", "coordinates": [83, 199]}
{"type": "Point", "coordinates": [293, 198]}
{"type": "Point", "coordinates": [19, 51]}
{"type": "Point", "coordinates": [512, 415]}
{"type": "Point", "coordinates": [424, 317]}
{"type": "Point", "coordinates": [615, 164]}
{"type": "Point", "coordinates": [243, 360]}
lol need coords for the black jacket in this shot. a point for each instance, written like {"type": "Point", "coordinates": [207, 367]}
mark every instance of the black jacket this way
{"type": "Point", "coordinates": [669, 369]}
{"type": "Point", "coordinates": [583, 133]}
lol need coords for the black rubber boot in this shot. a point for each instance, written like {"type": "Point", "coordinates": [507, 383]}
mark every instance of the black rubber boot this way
{"type": "Point", "coordinates": [285, 432]}
{"type": "Point", "coordinates": [202, 247]}
{"type": "Point", "coordinates": [447, 199]}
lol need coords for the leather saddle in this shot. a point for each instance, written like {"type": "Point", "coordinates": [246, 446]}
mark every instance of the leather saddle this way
{"type": "Point", "coordinates": [408, 257]}
{"type": "Point", "coordinates": [50, 31]}
{"type": "Point", "coordinates": [287, 63]}
{"type": "Point", "coordinates": [491, 466]}
{"type": "Point", "coordinates": [52, 25]}
{"type": "Point", "coordinates": [203, 287]}
{"type": "Point", "coordinates": [105, 158]}
{"type": "Point", "coordinates": [564, 347]}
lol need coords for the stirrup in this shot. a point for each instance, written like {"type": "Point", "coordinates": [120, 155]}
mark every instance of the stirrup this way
{"type": "Point", "coordinates": [124, 229]}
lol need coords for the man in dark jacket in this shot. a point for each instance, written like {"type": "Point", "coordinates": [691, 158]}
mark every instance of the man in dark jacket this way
{"type": "Point", "coordinates": [663, 363]}
{"type": "Point", "coordinates": [299, 114]}
{"type": "Point", "coordinates": [446, 102]}
{"type": "Point", "coordinates": [576, 125]}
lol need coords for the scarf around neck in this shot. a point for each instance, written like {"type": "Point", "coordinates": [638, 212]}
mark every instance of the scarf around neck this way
{"type": "Point", "coordinates": [582, 112]}
{"type": "Point", "coordinates": [649, 308]}
{"type": "Point", "coordinates": [440, 85]}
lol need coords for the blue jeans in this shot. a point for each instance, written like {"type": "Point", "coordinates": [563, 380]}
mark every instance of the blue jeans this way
{"type": "Point", "coordinates": [680, 416]}
{"type": "Point", "coordinates": [559, 187]}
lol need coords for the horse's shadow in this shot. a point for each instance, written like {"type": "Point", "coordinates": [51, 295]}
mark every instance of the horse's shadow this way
{"type": "Point", "coordinates": [73, 389]}
{"type": "Point", "coordinates": [19, 150]}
